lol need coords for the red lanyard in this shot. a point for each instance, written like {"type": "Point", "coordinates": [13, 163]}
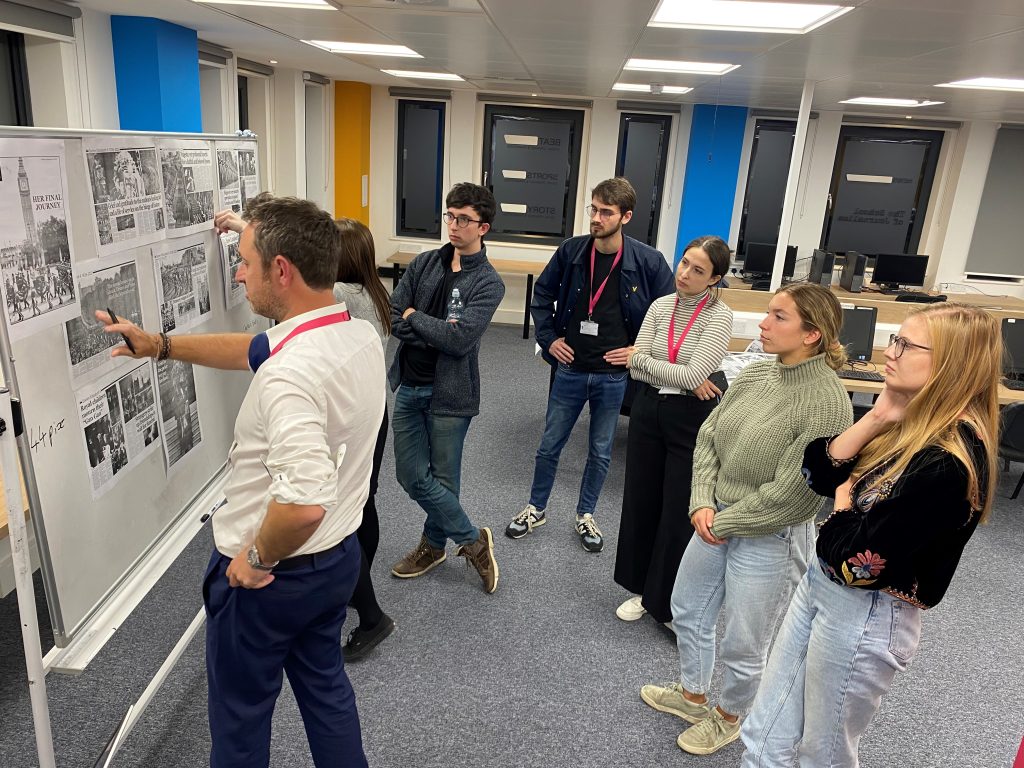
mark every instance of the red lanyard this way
{"type": "Point", "coordinates": [309, 325]}
{"type": "Point", "coordinates": [673, 349]}
{"type": "Point", "coordinates": [595, 296]}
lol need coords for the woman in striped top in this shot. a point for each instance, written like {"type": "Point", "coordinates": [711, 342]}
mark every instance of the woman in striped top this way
{"type": "Point", "coordinates": [681, 342]}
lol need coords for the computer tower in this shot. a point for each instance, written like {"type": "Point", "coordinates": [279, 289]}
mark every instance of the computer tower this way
{"type": "Point", "coordinates": [822, 264]}
{"type": "Point", "coordinates": [852, 277]}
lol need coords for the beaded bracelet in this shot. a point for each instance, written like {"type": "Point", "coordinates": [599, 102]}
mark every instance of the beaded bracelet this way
{"type": "Point", "coordinates": [165, 347]}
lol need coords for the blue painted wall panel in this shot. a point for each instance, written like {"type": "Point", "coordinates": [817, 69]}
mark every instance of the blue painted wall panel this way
{"type": "Point", "coordinates": [712, 169]}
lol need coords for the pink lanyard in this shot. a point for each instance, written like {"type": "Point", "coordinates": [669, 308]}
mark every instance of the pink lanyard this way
{"type": "Point", "coordinates": [673, 349]}
{"type": "Point", "coordinates": [309, 325]}
{"type": "Point", "coordinates": [595, 296]}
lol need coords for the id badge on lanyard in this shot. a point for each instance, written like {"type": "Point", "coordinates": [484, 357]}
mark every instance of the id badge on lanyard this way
{"type": "Point", "coordinates": [588, 327]}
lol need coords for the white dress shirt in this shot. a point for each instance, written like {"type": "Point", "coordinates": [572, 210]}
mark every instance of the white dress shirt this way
{"type": "Point", "coordinates": [306, 431]}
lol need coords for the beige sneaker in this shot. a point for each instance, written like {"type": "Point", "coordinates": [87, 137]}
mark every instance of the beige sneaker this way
{"type": "Point", "coordinates": [632, 609]}
{"type": "Point", "coordinates": [418, 561]}
{"type": "Point", "coordinates": [481, 554]}
{"type": "Point", "coordinates": [669, 698]}
{"type": "Point", "coordinates": [710, 735]}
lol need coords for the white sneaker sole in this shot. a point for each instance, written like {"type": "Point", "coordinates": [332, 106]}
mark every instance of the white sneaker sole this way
{"type": "Point", "coordinates": [705, 750]}
{"type": "Point", "coordinates": [529, 530]}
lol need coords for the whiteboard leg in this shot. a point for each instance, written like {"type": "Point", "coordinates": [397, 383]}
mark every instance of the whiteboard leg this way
{"type": "Point", "coordinates": [23, 583]}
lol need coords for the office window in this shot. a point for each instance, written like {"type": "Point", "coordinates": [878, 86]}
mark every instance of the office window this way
{"type": "Point", "coordinates": [531, 162]}
{"type": "Point", "coordinates": [243, 103]}
{"type": "Point", "coordinates": [767, 174]}
{"type": "Point", "coordinates": [15, 104]}
{"type": "Point", "coordinates": [420, 155]}
{"type": "Point", "coordinates": [641, 158]}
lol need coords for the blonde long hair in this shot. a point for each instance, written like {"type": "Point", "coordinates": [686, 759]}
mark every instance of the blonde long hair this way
{"type": "Point", "coordinates": [967, 353]}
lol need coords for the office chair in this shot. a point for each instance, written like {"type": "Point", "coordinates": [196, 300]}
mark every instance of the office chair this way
{"type": "Point", "coordinates": [1011, 439]}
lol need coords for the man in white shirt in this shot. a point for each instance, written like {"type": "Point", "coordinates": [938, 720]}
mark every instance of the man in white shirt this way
{"type": "Point", "coordinates": [286, 560]}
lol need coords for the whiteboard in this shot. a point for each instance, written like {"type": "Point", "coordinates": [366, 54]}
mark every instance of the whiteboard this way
{"type": "Point", "coordinates": [90, 543]}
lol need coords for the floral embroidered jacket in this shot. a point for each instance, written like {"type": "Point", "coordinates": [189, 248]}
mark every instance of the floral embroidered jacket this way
{"type": "Point", "coordinates": [903, 537]}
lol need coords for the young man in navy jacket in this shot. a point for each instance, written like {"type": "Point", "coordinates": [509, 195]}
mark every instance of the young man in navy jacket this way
{"type": "Point", "coordinates": [588, 305]}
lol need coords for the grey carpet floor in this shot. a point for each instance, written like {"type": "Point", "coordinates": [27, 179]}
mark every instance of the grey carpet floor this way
{"type": "Point", "coordinates": [541, 673]}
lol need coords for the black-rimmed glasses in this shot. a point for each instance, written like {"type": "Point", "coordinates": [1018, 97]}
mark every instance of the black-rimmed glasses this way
{"type": "Point", "coordinates": [461, 222]}
{"type": "Point", "coordinates": [901, 344]}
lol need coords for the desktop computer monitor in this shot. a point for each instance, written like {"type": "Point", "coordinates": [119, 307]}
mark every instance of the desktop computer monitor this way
{"type": "Point", "coordinates": [895, 269]}
{"type": "Point", "coordinates": [1013, 344]}
{"type": "Point", "coordinates": [760, 258]}
{"type": "Point", "coordinates": [822, 264]}
{"type": "Point", "coordinates": [858, 332]}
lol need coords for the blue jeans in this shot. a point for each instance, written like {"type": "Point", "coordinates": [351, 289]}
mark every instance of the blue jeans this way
{"type": "Point", "coordinates": [750, 579]}
{"type": "Point", "coordinates": [428, 463]}
{"type": "Point", "coordinates": [833, 660]}
{"type": "Point", "coordinates": [570, 391]}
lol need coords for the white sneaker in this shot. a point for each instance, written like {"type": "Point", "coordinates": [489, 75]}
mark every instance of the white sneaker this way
{"type": "Point", "coordinates": [632, 609]}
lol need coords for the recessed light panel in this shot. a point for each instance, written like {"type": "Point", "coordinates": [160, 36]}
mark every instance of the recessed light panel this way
{"type": "Point", "coordinates": [364, 49]}
{"type": "Point", "coordinates": [987, 84]}
{"type": "Point", "coordinates": [745, 16]}
{"type": "Point", "coordinates": [641, 88]}
{"type": "Point", "coordinates": [684, 67]}
{"type": "Point", "coordinates": [414, 75]}
{"type": "Point", "coordinates": [885, 102]}
{"type": "Point", "coordinates": [312, 5]}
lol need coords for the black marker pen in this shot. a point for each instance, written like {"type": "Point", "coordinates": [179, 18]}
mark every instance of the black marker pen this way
{"type": "Point", "coordinates": [113, 321]}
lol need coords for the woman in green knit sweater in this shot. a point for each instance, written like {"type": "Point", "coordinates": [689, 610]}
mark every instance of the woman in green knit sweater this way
{"type": "Point", "coordinates": [750, 508]}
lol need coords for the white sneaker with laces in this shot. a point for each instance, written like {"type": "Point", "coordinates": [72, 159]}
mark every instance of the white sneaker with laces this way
{"type": "Point", "coordinates": [632, 609]}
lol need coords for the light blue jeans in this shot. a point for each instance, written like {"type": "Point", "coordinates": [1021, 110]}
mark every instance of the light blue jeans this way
{"type": "Point", "coordinates": [751, 580]}
{"type": "Point", "coordinates": [835, 657]}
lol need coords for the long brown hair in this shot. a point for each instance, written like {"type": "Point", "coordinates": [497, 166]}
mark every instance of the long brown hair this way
{"type": "Point", "coordinates": [358, 264]}
{"type": "Point", "coordinates": [967, 353]}
{"type": "Point", "coordinates": [820, 309]}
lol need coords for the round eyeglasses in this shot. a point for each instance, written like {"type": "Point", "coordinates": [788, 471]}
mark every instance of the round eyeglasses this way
{"type": "Point", "coordinates": [461, 222]}
{"type": "Point", "coordinates": [901, 345]}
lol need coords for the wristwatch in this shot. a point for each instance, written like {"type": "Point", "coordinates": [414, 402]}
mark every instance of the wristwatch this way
{"type": "Point", "coordinates": [253, 557]}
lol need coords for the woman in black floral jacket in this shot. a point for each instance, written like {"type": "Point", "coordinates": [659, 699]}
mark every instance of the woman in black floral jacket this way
{"type": "Point", "coordinates": [911, 481]}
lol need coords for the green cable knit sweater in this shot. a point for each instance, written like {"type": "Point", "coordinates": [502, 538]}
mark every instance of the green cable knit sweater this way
{"type": "Point", "coordinates": [750, 450]}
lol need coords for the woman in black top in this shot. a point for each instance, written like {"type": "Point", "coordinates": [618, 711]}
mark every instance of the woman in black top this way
{"type": "Point", "coordinates": [911, 481]}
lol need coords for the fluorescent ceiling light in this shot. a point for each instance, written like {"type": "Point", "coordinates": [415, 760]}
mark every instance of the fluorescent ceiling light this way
{"type": "Point", "coordinates": [745, 16]}
{"type": "Point", "coordinates": [987, 84]}
{"type": "Point", "coordinates": [641, 88]}
{"type": "Point", "coordinates": [685, 67]}
{"type": "Point", "coordinates": [884, 102]}
{"type": "Point", "coordinates": [411, 74]}
{"type": "Point", "coordinates": [312, 5]}
{"type": "Point", "coordinates": [364, 49]}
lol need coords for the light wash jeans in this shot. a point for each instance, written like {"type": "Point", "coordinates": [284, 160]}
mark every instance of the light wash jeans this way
{"type": "Point", "coordinates": [835, 657]}
{"type": "Point", "coordinates": [751, 580]}
{"type": "Point", "coordinates": [570, 391]}
{"type": "Point", "coordinates": [428, 464]}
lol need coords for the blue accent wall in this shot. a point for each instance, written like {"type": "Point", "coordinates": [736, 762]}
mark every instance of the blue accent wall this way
{"type": "Point", "coordinates": [712, 169]}
{"type": "Point", "coordinates": [156, 65]}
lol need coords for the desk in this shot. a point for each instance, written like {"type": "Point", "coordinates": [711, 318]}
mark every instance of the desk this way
{"type": "Point", "coordinates": [400, 260]}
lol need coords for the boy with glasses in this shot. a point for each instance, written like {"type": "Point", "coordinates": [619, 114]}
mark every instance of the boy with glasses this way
{"type": "Point", "coordinates": [588, 306]}
{"type": "Point", "coordinates": [439, 310]}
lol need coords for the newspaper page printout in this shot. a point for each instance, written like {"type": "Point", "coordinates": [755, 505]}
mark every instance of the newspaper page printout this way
{"type": "Point", "coordinates": [234, 293]}
{"type": "Point", "coordinates": [119, 425]}
{"type": "Point", "coordinates": [237, 174]}
{"type": "Point", "coordinates": [126, 192]}
{"type": "Point", "coordinates": [179, 410]}
{"type": "Point", "coordinates": [182, 283]}
{"type": "Point", "coordinates": [188, 173]}
{"type": "Point", "coordinates": [38, 283]}
{"type": "Point", "coordinates": [110, 283]}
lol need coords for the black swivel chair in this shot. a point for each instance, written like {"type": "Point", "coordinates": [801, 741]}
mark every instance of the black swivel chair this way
{"type": "Point", "coordinates": [1011, 439]}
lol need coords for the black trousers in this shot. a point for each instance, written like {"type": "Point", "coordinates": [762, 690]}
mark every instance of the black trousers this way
{"type": "Point", "coordinates": [655, 527]}
{"type": "Point", "coordinates": [364, 599]}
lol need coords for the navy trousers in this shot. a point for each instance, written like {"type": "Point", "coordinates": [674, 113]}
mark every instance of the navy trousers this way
{"type": "Point", "coordinates": [291, 626]}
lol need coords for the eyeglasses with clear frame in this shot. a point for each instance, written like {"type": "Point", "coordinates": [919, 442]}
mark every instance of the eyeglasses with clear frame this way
{"type": "Point", "coordinates": [901, 345]}
{"type": "Point", "coordinates": [604, 213]}
{"type": "Point", "coordinates": [461, 222]}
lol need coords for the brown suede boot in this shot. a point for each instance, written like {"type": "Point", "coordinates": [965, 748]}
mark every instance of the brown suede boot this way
{"type": "Point", "coordinates": [418, 561]}
{"type": "Point", "coordinates": [481, 554]}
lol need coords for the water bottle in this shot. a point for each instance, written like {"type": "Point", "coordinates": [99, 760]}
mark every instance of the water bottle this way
{"type": "Point", "coordinates": [455, 306]}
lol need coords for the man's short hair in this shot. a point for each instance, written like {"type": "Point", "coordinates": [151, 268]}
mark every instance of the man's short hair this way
{"type": "Point", "coordinates": [617, 191]}
{"type": "Point", "coordinates": [480, 199]}
{"type": "Point", "coordinates": [298, 230]}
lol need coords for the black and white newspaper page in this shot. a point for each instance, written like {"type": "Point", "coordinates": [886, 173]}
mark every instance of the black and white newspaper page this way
{"type": "Point", "coordinates": [234, 293]}
{"type": "Point", "coordinates": [237, 174]}
{"type": "Point", "coordinates": [37, 282]}
{"type": "Point", "coordinates": [189, 183]}
{"type": "Point", "coordinates": [126, 192]}
{"type": "Point", "coordinates": [110, 283]}
{"type": "Point", "coordinates": [119, 425]}
{"type": "Point", "coordinates": [179, 410]}
{"type": "Point", "coordinates": [182, 283]}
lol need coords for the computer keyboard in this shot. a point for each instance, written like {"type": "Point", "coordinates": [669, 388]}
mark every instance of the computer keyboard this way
{"type": "Point", "coordinates": [860, 375]}
{"type": "Point", "coordinates": [921, 298]}
{"type": "Point", "coordinates": [1017, 384]}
